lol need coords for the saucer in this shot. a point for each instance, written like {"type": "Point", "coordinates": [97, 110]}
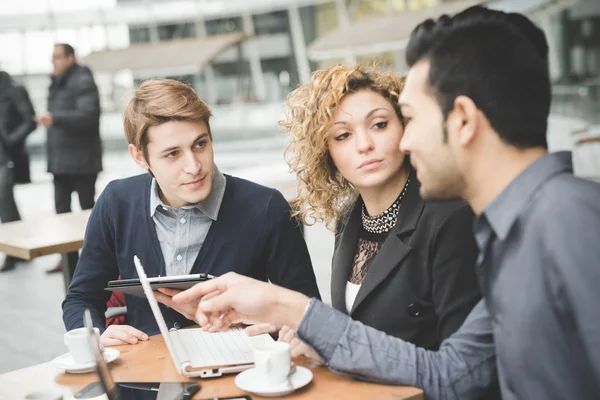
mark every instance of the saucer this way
{"type": "Point", "coordinates": [66, 362]}
{"type": "Point", "coordinates": [251, 381]}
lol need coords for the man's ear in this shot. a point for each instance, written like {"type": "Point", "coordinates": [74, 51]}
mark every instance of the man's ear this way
{"type": "Point", "coordinates": [138, 157]}
{"type": "Point", "coordinates": [463, 120]}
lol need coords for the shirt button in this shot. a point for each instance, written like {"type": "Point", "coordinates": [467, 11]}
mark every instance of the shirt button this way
{"type": "Point", "coordinates": [182, 220]}
{"type": "Point", "coordinates": [176, 325]}
{"type": "Point", "coordinates": [179, 257]}
{"type": "Point", "coordinates": [165, 208]}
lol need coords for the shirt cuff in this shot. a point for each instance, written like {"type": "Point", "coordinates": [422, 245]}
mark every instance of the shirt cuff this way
{"type": "Point", "coordinates": [322, 327]}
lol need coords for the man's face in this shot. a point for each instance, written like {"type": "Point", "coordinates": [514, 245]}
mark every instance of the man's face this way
{"type": "Point", "coordinates": [432, 155]}
{"type": "Point", "coordinates": [180, 156]}
{"type": "Point", "coordinates": [61, 61]}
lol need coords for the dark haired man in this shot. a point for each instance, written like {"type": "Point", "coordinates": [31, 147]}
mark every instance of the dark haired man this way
{"type": "Point", "coordinates": [73, 125]}
{"type": "Point", "coordinates": [476, 104]}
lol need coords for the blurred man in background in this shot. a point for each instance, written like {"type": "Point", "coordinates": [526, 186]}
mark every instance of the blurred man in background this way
{"type": "Point", "coordinates": [16, 123]}
{"type": "Point", "coordinates": [73, 124]}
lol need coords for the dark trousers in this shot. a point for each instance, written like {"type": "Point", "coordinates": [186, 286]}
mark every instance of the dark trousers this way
{"type": "Point", "coordinates": [8, 207]}
{"type": "Point", "coordinates": [64, 185]}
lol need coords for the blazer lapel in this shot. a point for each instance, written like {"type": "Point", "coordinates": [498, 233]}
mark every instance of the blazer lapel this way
{"type": "Point", "coordinates": [395, 248]}
{"type": "Point", "coordinates": [343, 258]}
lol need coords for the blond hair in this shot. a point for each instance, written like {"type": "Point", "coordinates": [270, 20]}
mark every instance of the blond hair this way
{"type": "Point", "coordinates": [323, 193]}
{"type": "Point", "coordinates": [157, 101]}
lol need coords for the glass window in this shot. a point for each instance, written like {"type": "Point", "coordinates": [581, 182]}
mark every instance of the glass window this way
{"type": "Point", "coordinates": [223, 25]}
{"type": "Point", "coordinates": [176, 31]}
{"type": "Point", "coordinates": [140, 34]}
{"type": "Point", "coordinates": [273, 22]}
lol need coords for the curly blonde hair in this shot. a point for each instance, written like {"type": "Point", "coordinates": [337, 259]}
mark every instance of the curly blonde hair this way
{"type": "Point", "coordinates": [323, 193]}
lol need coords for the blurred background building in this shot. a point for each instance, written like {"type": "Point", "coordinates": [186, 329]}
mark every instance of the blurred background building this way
{"type": "Point", "coordinates": [244, 56]}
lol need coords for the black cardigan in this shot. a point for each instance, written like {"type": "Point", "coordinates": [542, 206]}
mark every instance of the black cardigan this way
{"type": "Point", "coordinates": [253, 235]}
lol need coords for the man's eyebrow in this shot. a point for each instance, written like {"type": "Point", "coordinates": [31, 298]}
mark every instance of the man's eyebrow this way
{"type": "Point", "coordinates": [170, 149]}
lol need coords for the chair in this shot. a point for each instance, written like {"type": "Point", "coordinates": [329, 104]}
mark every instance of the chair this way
{"type": "Point", "coordinates": [116, 311]}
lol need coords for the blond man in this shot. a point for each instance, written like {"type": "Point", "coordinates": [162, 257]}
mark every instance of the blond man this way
{"type": "Point", "coordinates": [182, 217]}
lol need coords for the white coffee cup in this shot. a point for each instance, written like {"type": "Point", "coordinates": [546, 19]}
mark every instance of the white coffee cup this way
{"type": "Point", "coordinates": [78, 342]}
{"type": "Point", "coordinates": [273, 361]}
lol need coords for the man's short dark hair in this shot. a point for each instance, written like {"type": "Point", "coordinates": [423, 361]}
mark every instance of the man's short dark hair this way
{"type": "Point", "coordinates": [67, 48]}
{"type": "Point", "coordinates": [498, 60]}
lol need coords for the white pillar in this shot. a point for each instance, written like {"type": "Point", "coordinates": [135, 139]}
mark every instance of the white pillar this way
{"type": "Point", "coordinates": [299, 45]}
{"type": "Point", "coordinates": [343, 17]}
{"type": "Point", "coordinates": [23, 50]}
{"type": "Point", "coordinates": [389, 9]}
{"type": "Point", "coordinates": [551, 25]}
{"type": "Point", "coordinates": [258, 79]}
{"type": "Point", "coordinates": [153, 32]}
{"type": "Point", "coordinates": [399, 61]}
{"type": "Point", "coordinates": [209, 73]}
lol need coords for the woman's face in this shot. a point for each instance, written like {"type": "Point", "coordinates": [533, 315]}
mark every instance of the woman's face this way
{"type": "Point", "coordinates": [364, 140]}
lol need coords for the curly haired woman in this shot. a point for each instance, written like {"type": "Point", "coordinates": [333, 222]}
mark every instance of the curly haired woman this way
{"type": "Point", "coordinates": [401, 264]}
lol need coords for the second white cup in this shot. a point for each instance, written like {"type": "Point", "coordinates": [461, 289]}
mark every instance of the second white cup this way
{"type": "Point", "coordinates": [78, 342]}
{"type": "Point", "coordinates": [273, 361]}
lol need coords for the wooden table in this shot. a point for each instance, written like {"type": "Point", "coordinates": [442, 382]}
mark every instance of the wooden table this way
{"type": "Point", "coordinates": [59, 233]}
{"type": "Point", "coordinates": [150, 362]}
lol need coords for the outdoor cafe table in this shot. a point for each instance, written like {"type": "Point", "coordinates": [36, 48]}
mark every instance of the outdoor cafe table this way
{"type": "Point", "coordinates": [52, 234]}
{"type": "Point", "coordinates": [150, 362]}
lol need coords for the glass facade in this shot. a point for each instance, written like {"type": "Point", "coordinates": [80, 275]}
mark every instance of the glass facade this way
{"type": "Point", "coordinates": [231, 74]}
{"type": "Point", "coordinates": [576, 91]}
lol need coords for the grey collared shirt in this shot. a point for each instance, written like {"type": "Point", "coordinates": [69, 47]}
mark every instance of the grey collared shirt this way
{"type": "Point", "coordinates": [182, 231]}
{"type": "Point", "coordinates": [538, 323]}
{"type": "Point", "coordinates": [539, 271]}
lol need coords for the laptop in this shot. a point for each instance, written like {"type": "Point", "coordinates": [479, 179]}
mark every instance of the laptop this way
{"type": "Point", "coordinates": [108, 389]}
{"type": "Point", "coordinates": [198, 353]}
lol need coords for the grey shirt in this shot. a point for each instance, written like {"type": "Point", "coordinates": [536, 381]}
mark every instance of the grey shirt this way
{"type": "Point", "coordinates": [182, 231]}
{"type": "Point", "coordinates": [539, 269]}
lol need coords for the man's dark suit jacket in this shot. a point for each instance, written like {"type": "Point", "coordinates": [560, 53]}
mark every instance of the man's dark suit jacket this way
{"type": "Point", "coordinates": [74, 145]}
{"type": "Point", "coordinates": [254, 235]}
{"type": "Point", "coordinates": [422, 283]}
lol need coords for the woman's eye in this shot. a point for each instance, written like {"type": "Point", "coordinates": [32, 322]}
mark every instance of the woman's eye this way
{"type": "Point", "coordinates": [380, 125]}
{"type": "Point", "coordinates": [342, 136]}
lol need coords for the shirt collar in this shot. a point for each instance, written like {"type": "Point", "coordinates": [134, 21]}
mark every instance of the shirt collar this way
{"type": "Point", "coordinates": [210, 206]}
{"type": "Point", "coordinates": [504, 210]}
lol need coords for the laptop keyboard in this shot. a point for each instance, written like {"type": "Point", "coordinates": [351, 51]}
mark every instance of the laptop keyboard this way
{"type": "Point", "coordinates": [221, 348]}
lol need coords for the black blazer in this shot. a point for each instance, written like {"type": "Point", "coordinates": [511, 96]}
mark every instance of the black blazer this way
{"type": "Point", "coordinates": [422, 283]}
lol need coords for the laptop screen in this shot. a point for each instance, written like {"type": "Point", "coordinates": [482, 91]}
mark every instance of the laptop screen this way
{"type": "Point", "coordinates": [108, 384]}
{"type": "Point", "coordinates": [132, 390]}
{"type": "Point", "coordinates": [162, 325]}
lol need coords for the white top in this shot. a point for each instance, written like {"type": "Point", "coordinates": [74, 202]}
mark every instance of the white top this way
{"type": "Point", "coordinates": [351, 292]}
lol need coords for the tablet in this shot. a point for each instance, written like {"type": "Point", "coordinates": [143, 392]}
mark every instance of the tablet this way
{"type": "Point", "coordinates": [179, 282]}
